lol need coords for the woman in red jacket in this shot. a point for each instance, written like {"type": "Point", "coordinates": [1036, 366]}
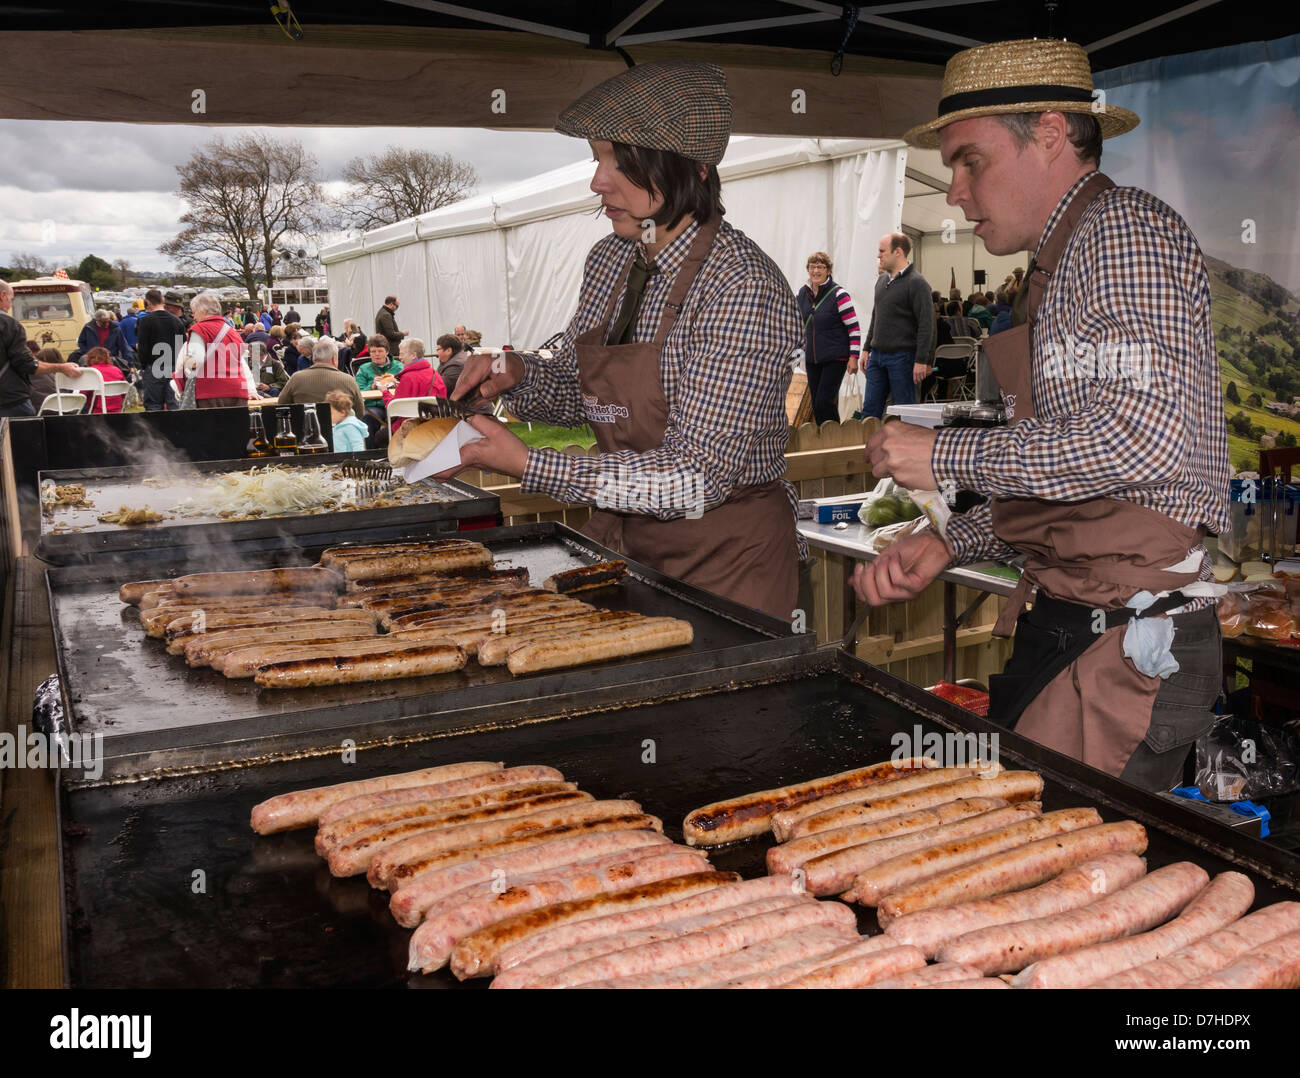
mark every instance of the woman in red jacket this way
{"type": "Point", "coordinates": [99, 359]}
{"type": "Point", "coordinates": [418, 378]}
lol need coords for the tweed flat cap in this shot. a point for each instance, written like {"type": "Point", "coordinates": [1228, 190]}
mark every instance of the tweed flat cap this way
{"type": "Point", "coordinates": [673, 105]}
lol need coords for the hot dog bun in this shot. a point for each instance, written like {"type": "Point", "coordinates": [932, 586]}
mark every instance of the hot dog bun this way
{"type": "Point", "coordinates": [417, 438]}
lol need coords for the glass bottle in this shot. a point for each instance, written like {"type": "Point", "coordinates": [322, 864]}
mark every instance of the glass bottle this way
{"type": "Point", "coordinates": [286, 442]}
{"type": "Point", "coordinates": [313, 441]}
{"type": "Point", "coordinates": [257, 445]}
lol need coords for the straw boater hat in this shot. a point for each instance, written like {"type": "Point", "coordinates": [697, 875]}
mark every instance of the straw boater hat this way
{"type": "Point", "coordinates": [1034, 75]}
{"type": "Point", "coordinates": [673, 105]}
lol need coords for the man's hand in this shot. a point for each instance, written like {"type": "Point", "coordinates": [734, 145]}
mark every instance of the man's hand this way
{"type": "Point", "coordinates": [72, 370]}
{"type": "Point", "coordinates": [262, 387]}
{"type": "Point", "coordinates": [903, 571]}
{"type": "Point", "coordinates": [920, 372]}
{"type": "Point", "coordinates": [903, 450]}
{"type": "Point", "coordinates": [498, 451]}
{"type": "Point", "coordinates": [492, 374]}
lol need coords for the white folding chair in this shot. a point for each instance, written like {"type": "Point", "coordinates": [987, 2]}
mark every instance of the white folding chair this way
{"type": "Point", "coordinates": [60, 403]}
{"type": "Point", "coordinates": [948, 358]}
{"type": "Point", "coordinates": [404, 408]}
{"type": "Point", "coordinates": [91, 381]}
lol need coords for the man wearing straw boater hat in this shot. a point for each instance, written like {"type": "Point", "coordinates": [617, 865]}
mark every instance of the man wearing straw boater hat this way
{"type": "Point", "coordinates": [1114, 463]}
{"type": "Point", "coordinates": [678, 355]}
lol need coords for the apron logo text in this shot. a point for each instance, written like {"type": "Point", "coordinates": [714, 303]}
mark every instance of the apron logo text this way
{"type": "Point", "coordinates": [596, 412]}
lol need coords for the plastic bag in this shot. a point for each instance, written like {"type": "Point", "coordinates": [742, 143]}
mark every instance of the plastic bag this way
{"type": "Point", "coordinates": [1271, 619]}
{"type": "Point", "coordinates": [1232, 614]}
{"type": "Point", "coordinates": [887, 504]}
{"type": "Point", "coordinates": [1240, 759]}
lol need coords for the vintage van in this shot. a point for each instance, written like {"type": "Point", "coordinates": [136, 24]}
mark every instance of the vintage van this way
{"type": "Point", "coordinates": [53, 310]}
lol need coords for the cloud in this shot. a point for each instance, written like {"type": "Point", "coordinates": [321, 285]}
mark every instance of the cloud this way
{"type": "Point", "coordinates": [109, 188]}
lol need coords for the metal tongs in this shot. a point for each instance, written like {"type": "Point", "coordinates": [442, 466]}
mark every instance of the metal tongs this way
{"type": "Point", "coordinates": [445, 408]}
{"type": "Point", "coordinates": [368, 478]}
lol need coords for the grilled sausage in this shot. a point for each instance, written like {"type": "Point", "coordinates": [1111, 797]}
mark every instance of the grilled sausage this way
{"type": "Point", "coordinates": [476, 602]}
{"type": "Point", "coordinates": [784, 859]}
{"type": "Point", "coordinates": [447, 599]}
{"type": "Point", "coordinates": [581, 648]}
{"type": "Point", "coordinates": [784, 822]}
{"type": "Point", "coordinates": [180, 629]}
{"type": "Point", "coordinates": [131, 593]}
{"type": "Point", "coordinates": [760, 957]}
{"type": "Point", "coordinates": [184, 634]}
{"type": "Point", "coordinates": [599, 575]}
{"type": "Point", "coordinates": [698, 946]}
{"type": "Point", "coordinates": [564, 937]}
{"type": "Point", "coordinates": [300, 808]}
{"type": "Point", "coordinates": [389, 875]}
{"type": "Point", "coordinates": [521, 974]}
{"type": "Point", "coordinates": [201, 652]}
{"type": "Point", "coordinates": [782, 975]}
{"type": "Point", "coordinates": [510, 776]}
{"type": "Point", "coordinates": [477, 952]}
{"type": "Point", "coordinates": [833, 873]}
{"type": "Point", "coordinates": [383, 566]}
{"type": "Point", "coordinates": [492, 649]}
{"type": "Point", "coordinates": [155, 620]}
{"type": "Point", "coordinates": [862, 970]}
{"type": "Point", "coordinates": [1014, 869]}
{"type": "Point", "coordinates": [974, 982]}
{"type": "Point", "coordinates": [340, 554]}
{"type": "Point", "coordinates": [751, 814]}
{"type": "Point", "coordinates": [507, 610]}
{"type": "Point", "coordinates": [1275, 964]}
{"type": "Point", "coordinates": [1075, 887]}
{"type": "Point", "coordinates": [247, 660]}
{"type": "Point", "coordinates": [354, 856]}
{"type": "Point", "coordinates": [473, 834]}
{"type": "Point", "coordinates": [399, 660]}
{"type": "Point", "coordinates": [931, 976]}
{"type": "Point", "coordinates": [1214, 952]}
{"type": "Point", "coordinates": [409, 905]}
{"type": "Point", "coordinates": [1138, 907]}
{"type": "Point", "coordinates": [1011, 786]}
{"type": "Point", "coordinates": [452, 578]}
{"type": "Point", "coordinates": [883, 879]}
{"type": "Point", "coordinates": [258, 582]}
{"type": "Point", "coordinates": [1228, 896]}
{"type": "Point", "coordinates": [342, 830]}
{"type": "Point", "coordinates": [432, 943]}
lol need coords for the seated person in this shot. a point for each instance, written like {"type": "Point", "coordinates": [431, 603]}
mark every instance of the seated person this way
{"type": "Point", "coordinates": [349, 432]}
{"type": "Point", "coordinates": [271, 375]}
{"type": "Point", "coordinates": [378, 372]}
{"type": "Point", "coordinates": [418, 378]}
{"type": "Point", "coordinates": [451, 361]}
{"type": "Point", "coordinates": [297, 354]}
{"type": "Point", "coordinates": [99, 359]}
{"type": "Point", "coordinates": [310, 386]}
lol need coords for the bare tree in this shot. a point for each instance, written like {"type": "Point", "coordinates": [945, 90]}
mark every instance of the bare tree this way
{"type": "Point", "coordinates": [399, 183]}
{"type": "Point", "coordinates": [25, 264]}
{"type": "Point", "coordinates": [247, 199]}
{"type": "Point", "coordinates": [123, 270]}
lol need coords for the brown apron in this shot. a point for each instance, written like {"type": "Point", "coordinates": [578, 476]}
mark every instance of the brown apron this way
{"type": "Point", "coordinates": [744, 549]}
{"type": "Point", "coordinates": [1096, 553]}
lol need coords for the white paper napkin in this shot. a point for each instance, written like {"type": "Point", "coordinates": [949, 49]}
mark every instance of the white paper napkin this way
{"type": "Point", "coordinates": [445, 455]}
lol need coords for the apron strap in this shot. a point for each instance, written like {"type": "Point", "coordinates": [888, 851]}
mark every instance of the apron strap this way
{"type": "Point", "coordinates": [686, 275]}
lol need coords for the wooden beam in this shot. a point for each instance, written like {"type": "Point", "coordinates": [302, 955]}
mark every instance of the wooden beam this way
{"type": "Point", "coordinates": [358, 76]}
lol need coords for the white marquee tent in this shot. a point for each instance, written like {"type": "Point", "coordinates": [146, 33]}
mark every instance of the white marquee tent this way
{"type": "Point", "coordinates": [509, 263]}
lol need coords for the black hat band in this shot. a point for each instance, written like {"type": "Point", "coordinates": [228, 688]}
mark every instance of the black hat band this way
{"type": "Point", "coordinates": [1012, 95]}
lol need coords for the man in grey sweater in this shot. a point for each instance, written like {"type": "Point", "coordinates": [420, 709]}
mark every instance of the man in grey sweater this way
{"type": "Point", "coordinates": [901, 333]}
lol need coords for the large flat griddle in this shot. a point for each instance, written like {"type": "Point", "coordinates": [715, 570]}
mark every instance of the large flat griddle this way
{"type": "Point", "coordinates": [439, 506]}
{"type": "Point", "coordinates": [154, 711]}
{"type": "Point", "coordinates": [270, 915]}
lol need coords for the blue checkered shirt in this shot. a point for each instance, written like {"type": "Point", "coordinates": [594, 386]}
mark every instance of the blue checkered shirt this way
{"type": "Point", "coordinates": [725, 369]}
{"type": "Point", "coordinates": [1125, 378]}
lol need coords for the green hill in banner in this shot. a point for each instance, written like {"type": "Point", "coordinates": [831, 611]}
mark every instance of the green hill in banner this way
{"type": "Point", "coordinates": [1257, 330]}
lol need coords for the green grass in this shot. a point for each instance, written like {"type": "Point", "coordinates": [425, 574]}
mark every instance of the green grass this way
{"type": "Point", "coordinates": [543, 436]}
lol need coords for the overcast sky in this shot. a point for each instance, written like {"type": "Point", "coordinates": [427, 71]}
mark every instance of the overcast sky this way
{"type": "Point", "coordinates": [72, 189]}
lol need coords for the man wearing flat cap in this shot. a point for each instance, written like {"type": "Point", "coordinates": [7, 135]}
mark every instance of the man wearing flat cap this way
{"type": "Point", "coordinates": [678, 355]}
{"type": "Point", "coordinates": [1114, 463]}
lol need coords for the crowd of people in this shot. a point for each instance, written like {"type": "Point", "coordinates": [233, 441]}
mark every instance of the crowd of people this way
{"type": "Point", "coordinates": [909, 321]}
{"type": "Point", "coordinates": [212, 357]}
